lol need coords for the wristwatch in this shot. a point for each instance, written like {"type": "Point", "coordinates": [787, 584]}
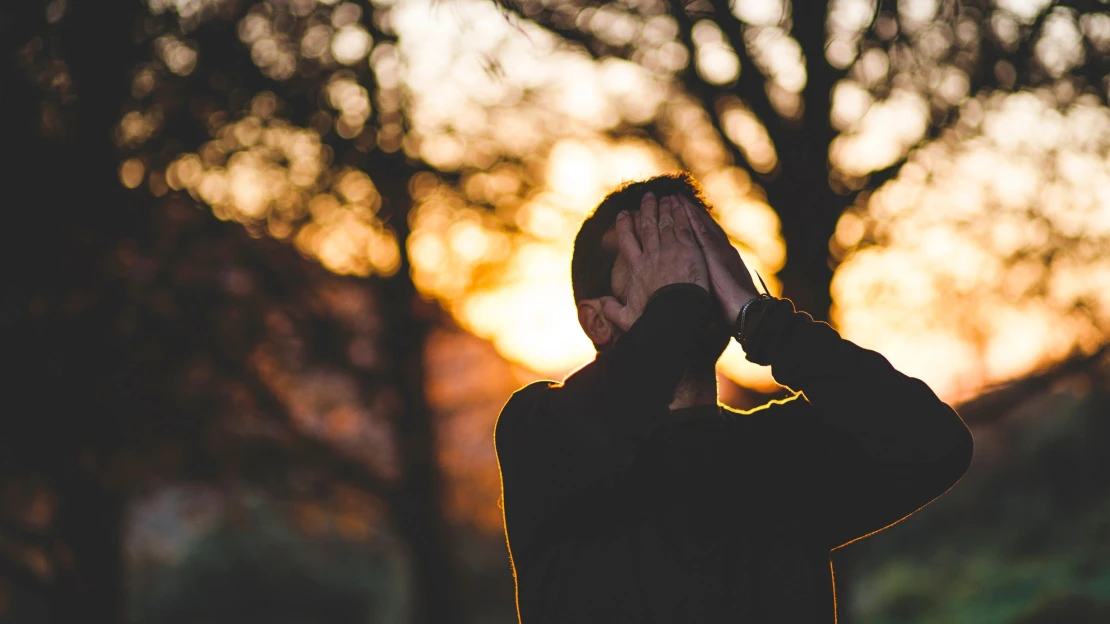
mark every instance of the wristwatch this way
{"type": "Point", "coordinates": [739, 325]}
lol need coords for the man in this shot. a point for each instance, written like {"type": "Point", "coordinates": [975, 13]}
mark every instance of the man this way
{"type": "Point", "coordinates": [630, 495]}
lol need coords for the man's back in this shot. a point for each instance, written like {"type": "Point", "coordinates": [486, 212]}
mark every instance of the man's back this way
{"type": "Point", "coordinates": [704, 527]}
{"type": "Point", "coordinates": [620, 510]}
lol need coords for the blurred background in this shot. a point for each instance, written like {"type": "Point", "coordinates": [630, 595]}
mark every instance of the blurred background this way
{"type": "Point", "coordinates": [271, 269]}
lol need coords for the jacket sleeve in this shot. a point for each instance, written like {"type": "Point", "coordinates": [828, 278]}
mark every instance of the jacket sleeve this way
{"type": "Point", "coordinates": [874, 444]}
{"type": "Point", "coordinates": [556, 442]}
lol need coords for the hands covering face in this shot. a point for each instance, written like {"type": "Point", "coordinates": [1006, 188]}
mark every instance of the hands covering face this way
{"type": "Point", "coordinates": [729, 276]}
{"type": "Point", "coordinates": [660, 248]}
{"type": "Point", "coordinates": [671, 240]}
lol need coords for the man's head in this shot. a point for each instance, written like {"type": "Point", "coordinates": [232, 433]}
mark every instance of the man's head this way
{"type": "Point", "coordinates": [598, 270]}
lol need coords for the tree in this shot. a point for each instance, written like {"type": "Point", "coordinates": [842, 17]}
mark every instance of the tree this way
{"type": "Point", "coordinates": [819, 81]}
{"type": "Point", "coordinates": [1027, 514]}
{"type": "Point", "coordinates": [144, 329]}
{"type": "Point", "coordinates": [150, 342]}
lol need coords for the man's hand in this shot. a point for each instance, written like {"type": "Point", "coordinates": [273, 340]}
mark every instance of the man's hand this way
{"type": "Point", "coordinates": [732, 283]}
{"type": "Point", "coordinates": [660, 249]}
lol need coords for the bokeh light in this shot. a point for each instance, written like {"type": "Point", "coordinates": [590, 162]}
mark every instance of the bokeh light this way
{"type": "Point", "coordinates": [526, 130]}
{"type": "Point", "coordinates": [512, 285]}
{"type": "Point", "coordinates": [986, 257]}
{"type": "Point", "coordinates": [399, 184]}
{"type": "Point", "coordinates": [261, 171]}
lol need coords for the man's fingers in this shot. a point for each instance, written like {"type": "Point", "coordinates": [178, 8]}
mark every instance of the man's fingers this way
{"type": "Point", "coordinates": [713, 228]}
{"type": "Point", "coordinates": [704, 238]}
{"type": "Point", "coordinates": [667, 208]}
{"type": "Point", "coordinates": [648, 222]}
{"type": "Point", "coordinates": [616, 312]}
{"type": "Point", "coordinates": [626, 236]}
{"type": "Point", "coordinates": [683, 230]}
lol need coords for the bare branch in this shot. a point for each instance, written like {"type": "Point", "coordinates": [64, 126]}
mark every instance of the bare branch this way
{"type": "Point", "coordinates": [543, 20]}
{"type": "Point", "coordinates": [996, 402]}
{"type": "Point", "coordinates": [706, 93]}
{"type": "Point", "coordinates": [751, 85]}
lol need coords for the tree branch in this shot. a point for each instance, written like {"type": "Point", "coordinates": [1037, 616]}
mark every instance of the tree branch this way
{"type": "Point", "coordinates": [751, 85]}
{"type": "Point", "coordinates": [704, 91]}
{"type": "Point", "coordinates": [995, 402]}
{"type": "Point", "coordinates": [991, 53]}
{"type": "Point", "coordinates": [543, 20]}
{"type": "Point", "coordinates": [312, 449]}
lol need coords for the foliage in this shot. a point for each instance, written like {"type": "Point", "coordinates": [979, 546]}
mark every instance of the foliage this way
{"type": "Point", "coordinates": [439, 156]}
{"type": "Point", "coordinates": [986, 117]}
{"type": "Point", "coordinates": [254, 566]}
{"type": "Point", "coordinates": [151, 343]}
{"type": "Point", "coordinates": [1020, 539]}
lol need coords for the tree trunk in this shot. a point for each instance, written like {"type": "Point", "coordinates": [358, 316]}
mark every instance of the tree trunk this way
{"type": "Point", "coordinates": [809, 210]}
{"type": "Point", "coordinates": [418, 508]}
{"type": "Point", "coordinates": [89, 587]}
{"type": "Point", "coordinates": [802, 196]}
{"type": "Point", "coordinates": [93, 207]}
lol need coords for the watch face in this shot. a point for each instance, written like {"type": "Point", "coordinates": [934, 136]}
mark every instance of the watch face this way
{"type": "Point", "coordinates": [745, 316]}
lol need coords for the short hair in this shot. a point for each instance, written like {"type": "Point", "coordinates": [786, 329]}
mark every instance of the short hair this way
{"type": "Point", "coordinates": [591, 265]}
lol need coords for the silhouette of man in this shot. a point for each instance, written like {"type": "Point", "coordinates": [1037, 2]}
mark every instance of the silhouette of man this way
{"type": "Point", "coordinates": [631, 495]}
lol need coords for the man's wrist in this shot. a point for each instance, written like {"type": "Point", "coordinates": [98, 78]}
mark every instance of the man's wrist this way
{"type": "Point", "coordinates": [737, 303]}
{"type": "Point", "coordinates": [741, 327]}
{"type": "Point", "coordinates": [770, 329]}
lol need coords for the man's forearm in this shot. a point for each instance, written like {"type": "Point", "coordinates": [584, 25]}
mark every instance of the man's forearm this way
{"type": "Point", "coordinates": [891, 416]}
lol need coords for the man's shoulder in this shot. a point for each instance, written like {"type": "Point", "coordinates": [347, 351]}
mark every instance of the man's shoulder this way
{"type": "Point", "coordinates": [520, 405]}
{"type": "Point", "coordinates": [527, 397]}
{"type": "Point", "coordinates": [534, 389]}
{"type": "Point", "coordinates": [547, 397]}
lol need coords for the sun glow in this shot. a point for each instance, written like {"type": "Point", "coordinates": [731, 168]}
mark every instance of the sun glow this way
{"type": "Point", "coordinates": [958, 271]}
{"type": "Point", "coordinates": [510, 282]}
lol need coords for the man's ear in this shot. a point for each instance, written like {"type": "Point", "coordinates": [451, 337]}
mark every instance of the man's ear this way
{"type": "Point", "coordinates": [600, 329]}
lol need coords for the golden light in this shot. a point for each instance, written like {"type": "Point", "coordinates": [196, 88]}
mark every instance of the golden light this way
{"type": "Point", "coordinates": [1060, 46]}
{"type": "Point", "coordinates": [780, 55]}
{"type": "Point", "coordinates": [271, 50]}
{"type": "Point", "coordinates": [350, 44]}
{"type": "Point", "coordinates": [744, 129]}
{"type": "Point", "coordinates": [532, 317]}
{"type": "Point", "coordinates": [716, 60]}
{"type": "Point", "coordinates": [850, 102]}
{"type": "Point", "coordinates": [263, 170]}
{"type": "Point", "coordinates": [481, 87]}
{"type": "Point", "coordinates": [178, 55]}
{"type": "Point", "coordinates": [847, 18]}
{"type": "Point", "coordinates": [512, 287]}
{"type": "Point", "coordinates": [973, 282]}
{"type": "Point", "coordinates": [759, 12]}
{"type": "Point", "coordinates": [316, 41]}
{"type": "Point", "coordinates": [131, 173]}
{"type": "Point", "coordinates": [481, 93]}
{"type": "Point", "coordinates": [136, 128]}
{"type": "Point", "coordinates": [882, 135]}
{"type": "Point", "coordinates": [249, 185]}
{"type": "Point", "coordinates": [526, 308]}
{"type": "Point", "coordinates": [946, 271]}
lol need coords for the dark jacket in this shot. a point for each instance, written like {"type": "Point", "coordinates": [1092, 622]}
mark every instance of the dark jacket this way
{"type": "Point", "coordinates": [620, 510]}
